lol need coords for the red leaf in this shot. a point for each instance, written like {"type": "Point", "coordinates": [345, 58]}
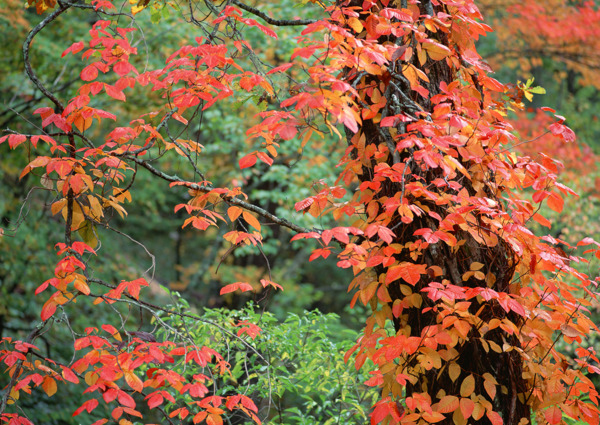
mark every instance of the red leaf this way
{"type": "Point", "coordinates": [155, 399]}
{"type": "Point", "coordinates": [281, 68]}
{"type": "Point", "coordinates": [248, 161]}
{"type": "Point", "coordinates": [265, 158]}
{"type": "Point", "coordinates": [114, 92]}
{"type": "Point", "coordinates": [89, 73]}
{"type": "Point", "coordinates": [288, 132]}
{"type": "Point", "coordinates": [303, 205]}
{"type": "Point", "coordinates": [87, 406]}
{"type": "Point", "coordinates": [494, 418]}
{"type": "Point", "coordinates": [68, 375]}
{"type": "Point", "coordinates": [49, 309]}
{"type": "Point", "coordinates": [75, 48]}
{"type": "Point", "coordinates": [125, 399]}
{"type": "Point", "coordinates": [237, 286]}
{"type": "Point", "coordinates": [123, 68]}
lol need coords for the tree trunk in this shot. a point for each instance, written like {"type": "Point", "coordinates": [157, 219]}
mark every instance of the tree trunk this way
{"type": "Point", "coordinates": [481, 352]}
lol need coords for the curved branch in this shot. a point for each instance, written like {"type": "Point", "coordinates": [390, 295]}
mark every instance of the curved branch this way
{"type": "Point", "coordinates": [269, 20]}
{"type": "Point", "coordinates": [232, 201]}
{"type": "Point", "coordinates": [27, 44]}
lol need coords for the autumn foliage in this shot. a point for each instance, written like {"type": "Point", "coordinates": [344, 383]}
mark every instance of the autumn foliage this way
{"type": "Point", "coordinates": [433, 200]}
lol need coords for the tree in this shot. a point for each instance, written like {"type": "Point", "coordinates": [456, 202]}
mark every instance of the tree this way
{"type": "Point", "coordinates": [433, 207]}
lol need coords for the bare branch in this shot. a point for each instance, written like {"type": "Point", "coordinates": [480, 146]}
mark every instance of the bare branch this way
{"type": "Point", "coordinates": [269, 20]}
{"type": "Point", "coordinates": [27, 44]}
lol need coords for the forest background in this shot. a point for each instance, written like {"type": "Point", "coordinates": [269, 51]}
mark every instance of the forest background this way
{"type": "Point", "coordinates": [307, 327]}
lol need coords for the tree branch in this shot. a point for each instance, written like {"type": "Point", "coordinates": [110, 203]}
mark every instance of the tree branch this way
{"type": "Point", "coordinates": [27, 44]}
{"type": "Point", "coordinates": [17, 372]}
{"type": "Point", "coordinates": [269, 20]}
{"type": "Point", "coordinates": [231, 201]}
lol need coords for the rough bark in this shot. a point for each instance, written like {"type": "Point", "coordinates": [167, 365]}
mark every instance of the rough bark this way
{"type": "Point", "coordinates": [498, 260]}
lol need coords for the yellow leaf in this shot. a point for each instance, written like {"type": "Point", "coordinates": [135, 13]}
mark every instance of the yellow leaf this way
{"type": "Point", "coordinates": [91, 378]}
{"type": "Point", "coordinates": [457, 417]}
{"type": "Point", "coordinates": [422, 56]}
{"type": "Point", "coordinates": [476, 266]}
{"type": "Point", "coordinates": [86, 231]}
{"type": "Point", "coordinates": [478, 411]}
{"type": "Point", "coordinates": [454, 371]}
{"type": "Point", "coordinates": [355, 24]}
{"type": "Point", "coordinates": [436, 51]}
{"type": "Point", "coordinates": [14, 396]}
{"type": "Point", "coordinates": [495, 347]}
{"type": "Point", "coordinates": [136, 9]}
{"type": "Point", "coordinates": [468, 386]}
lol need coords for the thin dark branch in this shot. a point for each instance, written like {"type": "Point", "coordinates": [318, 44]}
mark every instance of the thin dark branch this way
{"type": "Point", "coordinates": [231, 201]}
{"type": "Point", "coordinates": [19, 365]}
{"type": "Point", "coordinates": [27, 44]}
{"type": "Point", "coordinates": [269, 20]}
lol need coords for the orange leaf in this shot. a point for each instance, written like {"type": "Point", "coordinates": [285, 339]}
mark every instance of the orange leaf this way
{"type": "Point", "coordinates": [265, 283]}
{"type": "Point", "coordinates": [252, 221]}
{"type": "Point", "coordinates": [448, 404]}
{"type": "Point", "coordinates": [234, 213]}
{"type": "Point", "coordinates": [490, 387]}
{"type": "Point", "coordinates": [410, 273]}
{"type": "Point", "coordinates": [436, 51]}
{"type": "Point", "coordinates": [213, 419]}
{"type": "Point", "coordinates": [81, 286]}
{"type": "Point", "coordinates": [133, 381]}
{"type": "Point", "coordinates": [542, 220]}
{"type": "Point", "coordinates": [49, 386]}
{"type": "Point", "coordinates": [556, 202]}
{"type": "Point", "coordinates": [433, 417]}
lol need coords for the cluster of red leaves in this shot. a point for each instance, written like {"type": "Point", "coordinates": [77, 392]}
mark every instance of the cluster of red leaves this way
{"type": "Point", "coordinates": [116, 370]}
{"type": "Point", "coordinates": [455, 131]}
{"type": "Point", "coordinates": [530, 30]}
